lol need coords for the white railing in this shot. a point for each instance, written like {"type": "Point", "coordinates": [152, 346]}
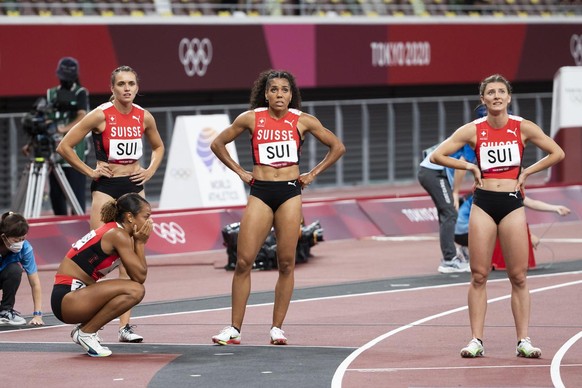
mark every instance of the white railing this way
{"type": "Point", "coordinates": [384, 138]}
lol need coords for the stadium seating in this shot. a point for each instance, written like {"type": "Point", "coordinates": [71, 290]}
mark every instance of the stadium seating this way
{"type": "Point", "coordinates": [323, 8]}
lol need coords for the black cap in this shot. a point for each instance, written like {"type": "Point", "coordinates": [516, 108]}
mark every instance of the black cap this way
{"type": "Point", "coordinates": [68, 69]}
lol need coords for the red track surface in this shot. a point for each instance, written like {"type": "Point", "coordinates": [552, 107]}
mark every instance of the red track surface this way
{"type": "Point", "coordinates": [403, 338]}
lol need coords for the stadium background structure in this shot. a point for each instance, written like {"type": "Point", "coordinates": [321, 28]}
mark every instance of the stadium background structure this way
{"type": "Point", "coordinates": [383, 125]}
{"type": "Point", "coordinates": [289, 8]}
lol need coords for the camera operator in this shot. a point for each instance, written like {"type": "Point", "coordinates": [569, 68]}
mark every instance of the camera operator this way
{"type": "Point", "coordinates": [67, 104]}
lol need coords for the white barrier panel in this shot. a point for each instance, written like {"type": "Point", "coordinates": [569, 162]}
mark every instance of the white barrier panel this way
{"type": "Point", "coordinates": [195, 178]}
{"type": "Point", "coordinates": [567, 99]}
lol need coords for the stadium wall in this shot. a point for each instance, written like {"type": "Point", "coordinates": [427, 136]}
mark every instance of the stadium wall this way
{"type": "Point", "coordinates": [195, 230]}
{"type": "Point", "coordinates": [178, 57]}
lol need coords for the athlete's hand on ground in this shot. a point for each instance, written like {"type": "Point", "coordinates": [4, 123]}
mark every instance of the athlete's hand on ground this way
{"type": "Point", "coordinates": [36, 321]}
{"type": "Point", "coordinates": [143, 234]}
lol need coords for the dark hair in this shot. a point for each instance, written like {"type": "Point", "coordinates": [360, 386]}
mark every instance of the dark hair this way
{"type": "Point", "coordinates": [127, 203]}
{"type": "Point", "coordinates": [13, 225]}
{"type": "Point", "coordinates": [118, 70]}
{"type": "Point", "coordinates": [491, 79]}
{"type": "Point", "coordinates": [260, 86]}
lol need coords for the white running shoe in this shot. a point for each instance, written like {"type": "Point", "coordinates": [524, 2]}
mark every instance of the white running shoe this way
{"type": "Point", "coordinates": [126, 334]}
{"type": "Point", "coordinates": [527, 350]}
{"type": "Point", "coordinates": [278, 337]}
{"type": "Point", "coordinates": [11, 318]}
{"type": "Point", "coordinates": [75, 334]}
{"type": "Point", "coordinates": [473, 349]}
{"type": "Point", "coordinates": [454, 266]}
{"type": "Point", "coordinates": [228, 336]}
{"type": "Point", "coordinates": [89, 342]}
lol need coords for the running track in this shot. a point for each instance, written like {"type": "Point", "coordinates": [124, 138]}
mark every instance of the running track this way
{"type": "Point", "coordinates": [368, 313]}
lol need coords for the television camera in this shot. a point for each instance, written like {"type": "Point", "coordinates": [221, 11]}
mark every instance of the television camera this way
{"type": "Point", "coordinates": [41, 125]}
{"type": "Point", "coordinates": [42, 130]}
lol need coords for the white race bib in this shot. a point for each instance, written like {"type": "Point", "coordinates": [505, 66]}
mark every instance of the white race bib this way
{"type": "Point", "coordinates": [500, 156]}
{"type": "Point", "coordinates": [278, 152]}
{"type": "Point", "coordinates": [79, 244]}
{"type": "Point", "coordinates": [76, 284]}
{"type": "Point", "coordinates": [125, 149]}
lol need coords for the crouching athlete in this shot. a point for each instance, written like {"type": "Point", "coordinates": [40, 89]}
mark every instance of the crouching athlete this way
{"type": "Point", "coordinates": [78, 297]}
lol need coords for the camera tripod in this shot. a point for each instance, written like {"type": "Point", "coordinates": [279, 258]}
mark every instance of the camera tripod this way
{"type": "Point", "coordinates": [29, 197]}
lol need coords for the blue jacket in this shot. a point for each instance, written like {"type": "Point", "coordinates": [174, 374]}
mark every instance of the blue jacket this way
{"type": "Point", "coordinates": [25, 257]}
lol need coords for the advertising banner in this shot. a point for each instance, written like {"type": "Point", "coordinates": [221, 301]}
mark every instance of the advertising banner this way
{"type": "Point", "coordinates": [195, 230]}
{"type": "Point", "coordinates": [195, 178]}
{"type": "Point", "coordinates": [567, 98]}
{"type": "Point", "coordinates": [566, 125]}
{"type": "Point", "coordinates": [207, 57]}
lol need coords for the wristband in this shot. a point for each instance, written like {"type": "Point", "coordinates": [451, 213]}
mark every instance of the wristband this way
{"type": "Point", "coordinates": [37, 313]}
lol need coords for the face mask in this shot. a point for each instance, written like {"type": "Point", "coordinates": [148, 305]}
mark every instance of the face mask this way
{"type": "Point", "coordinates": [16, 247]}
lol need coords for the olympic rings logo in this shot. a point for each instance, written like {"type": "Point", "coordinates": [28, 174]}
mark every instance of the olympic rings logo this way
{"type": "Point", "coordinates": [171, 232]}
{"type": "Point", "coordinates": [181, 173]}
{"type": "Point", "coordinates": [575, 95]}
{"type": "Point", "coordinates": [195, 55]}
{"type": "Point", "coordinates": [576, 48]}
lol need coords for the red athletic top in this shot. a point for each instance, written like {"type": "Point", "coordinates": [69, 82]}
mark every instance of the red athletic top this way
{"type": "Point", "coordinates": [276, 143]}
{"type": "Point", "coordinates": [120, 142]}
{"type": "Point", "coordinates": [88, 254]}
{"type": "Point", "coordinates": [499, 150]}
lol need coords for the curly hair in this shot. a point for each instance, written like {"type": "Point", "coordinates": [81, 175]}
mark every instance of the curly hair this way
{"type": "Point", "coordinates": [128, 203]}
{"type": "Point", "coordinates": [257, 99]}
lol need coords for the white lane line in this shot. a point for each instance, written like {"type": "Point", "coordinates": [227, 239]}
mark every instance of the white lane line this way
{"type": "Point", "coordinates": [338, 376]}
{"type": "Point", "coordinates": [7, 332]}
{"type": "Point", "coordinates": [404, 238]}
{"type": "Point", "coordinates": [557, 361]}
{"type": "Point", "coordinates": [562, 240]}
{"type": "Point", "coordinates": [389, 370]}
{"type": "Point", "coordinates": [432, 238]}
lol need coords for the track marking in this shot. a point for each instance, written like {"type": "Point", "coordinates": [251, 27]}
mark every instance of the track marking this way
{"type": "Point", "coordinates": [403, 238]}
{"type": "Point", "coordinates": [432, 238]}
{"type": "Point", "coordinates": [562, 240]}
{"type": "Point", "coordinates": [439, 368]}
{"type": "Point", "coordinates": [340, 371]}
{"type": "Point", "coordinates": [303, 300]}
{"type": "Point", "coordinates": [557, 361]}
{"type": "Point", "coordinates": [336, 381]}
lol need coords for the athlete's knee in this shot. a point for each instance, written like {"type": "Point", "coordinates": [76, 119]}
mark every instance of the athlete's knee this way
{"type": "Point", "coordinates": [286, 265]}
{"type": "Point", "coordinates": [518, 279]}
{"type": "Point", "coordinates": [136, 291]}
{"type": "Point", "coordinates": [479, 278]}
{"type": "Point", "coordinates": [243, 265]}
